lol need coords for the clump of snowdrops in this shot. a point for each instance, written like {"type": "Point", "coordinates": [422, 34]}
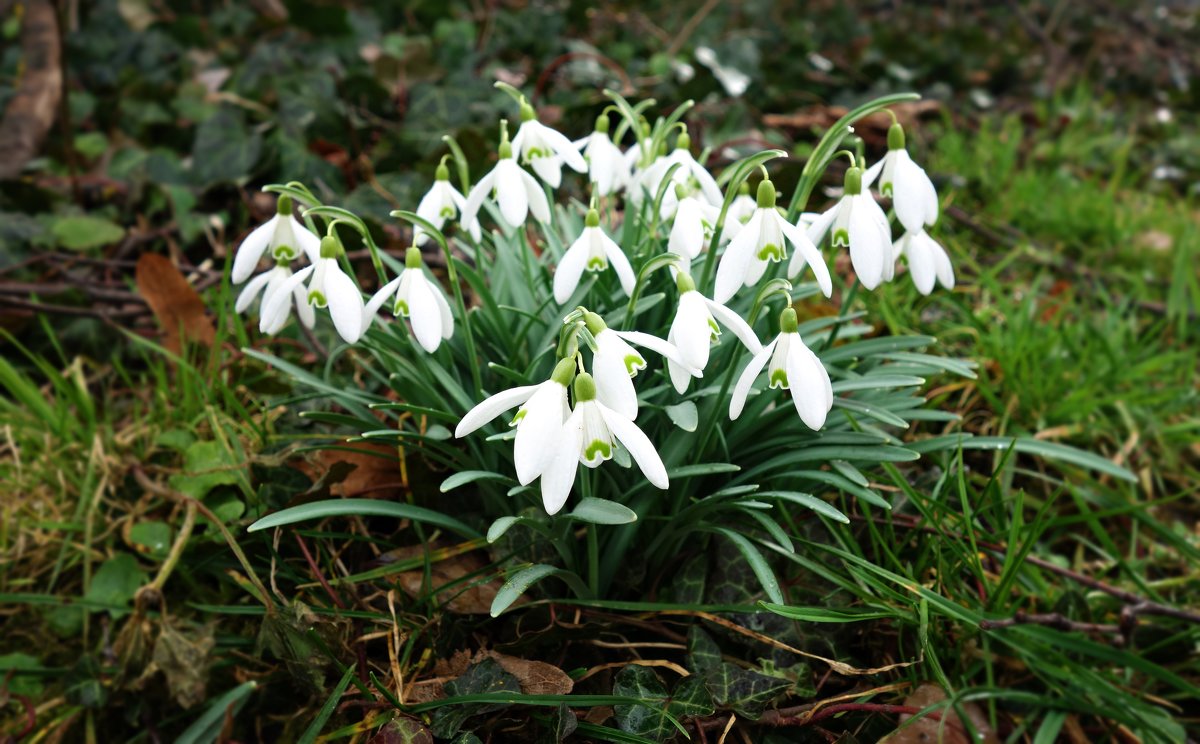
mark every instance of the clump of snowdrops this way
{"type": "Point", "coordinates": [648, 334]}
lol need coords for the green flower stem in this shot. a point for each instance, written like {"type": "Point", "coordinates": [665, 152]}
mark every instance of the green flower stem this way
{"type": "Point", "coordinates": [337, 215]}
{"type": "Point", "coordinates": [823, 152]}
{"type": "Point", "coordinates": [460, 305]}
{"type": "Point", "coordinates": [460, 163]}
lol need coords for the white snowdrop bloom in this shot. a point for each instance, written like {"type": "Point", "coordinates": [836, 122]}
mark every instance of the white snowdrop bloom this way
{"type": "Point", "coordinates": [905, 183]}
{"type": "Point", "coordinates": [539, 421]}
{"type": "Point", "coordinates": [761, 241]}
{"type": "Point", "coordinates": [690, 174]}
{"type": "Point", "coordinates": [442, 202]}
{"type": "Point", "coordinates": [516, 192]}
{"type": "Point", "coordinates": [545, 149]}
{"type": "Point", "coordinates": [741, 209]}
{"type": "Point", "coordinates": [692, 225]}
{"type": "Point", "coordinates": [697, 325]}
{"type": "Point", "coordinates": [269, 282]}
{"type": "Point", "coordinates": [793, 366]}
{"type": "Point", "coordinates": [607, 165]}
{"type": "Point", "coordinates": [734, 81]}
{"type": "Point", "coordinates": [616, 362]}
{"type": "Point", "coordinates": [283, 236]}
{"type": "Point", "coordinates": [927, 261]}
{"type": "Point", "coordinates": [330, 287]}
{"type": "Point", "coordinates": [593, 251]}
{"type": "Point", "coordinates": [417, 298]}
{"type": "Point", "coordinates": [858, 222]}
{"type": "Point", "coordinates": [589, 436]}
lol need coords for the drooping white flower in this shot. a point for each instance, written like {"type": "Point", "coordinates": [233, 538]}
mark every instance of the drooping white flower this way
{"type": "Point", "coordinates": [615, 363]}
{"type": "Point", "coordinates": [418, 299]}
{"type": "Point", "coordinates": [330, 287]}
{"type": "Point", "coordinates": [692, 225]}
{"type": "Point", "coordinates": [761, 241]}
{"type": "Point", "coordinates": [516, 192]}
{"type": "Point", "coordinates": [283, 236]}
{"type": "Point", "coordinates": [858, 222]}
{"type": "Point", "coordinates": [741, 209]}
{"type": "Point", "coordinates": [589, 435]}
{"type": "Point", "coordinates": [539, 421]}
{"type": "Point", "coordinates": [927, 261]}
{"type": "Point", "coordinates": [690, 174]}
{"type": "Point", "coordinates": [608, 168]}
{"type": "Point", "coordinates": [697, 325]}
{"type": "Point", "coordinates": [442, 202]}
{"type": "Point", "coordinates": [593, 251]}
{"type": "Point", "coordinates": [905, 183]}
{"type": "Point", "coordinates": [793, 367]}
{"type": "Point", "coordinates": [269, 282]}
{"type": "Point", "coordinates": [545, 149]}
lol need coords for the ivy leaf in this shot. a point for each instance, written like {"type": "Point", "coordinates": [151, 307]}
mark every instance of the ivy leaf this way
{"type": "Point", "coordinates": [84, 232]}
{"type": "Point", "coordinates": [225, 149]}
{"type": "Point", "coordinates": [486, 676]}
{"type": "Point", "coordinates": [206, 465]}
{"type": "Point", "coordinates": [704, 655]}
{"type": "Point", "coordinates": [657, 717]}
{"type": "Point", "coordinates": [744, 691]}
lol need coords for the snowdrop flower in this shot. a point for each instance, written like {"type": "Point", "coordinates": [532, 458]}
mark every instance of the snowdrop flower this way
{"type": "Point", "coordinates": [589, 436]}
{"type": "Point", "coordinates": [640, 157]}
{"type": "Point", "coordinates": [616, 362]}
{"type": "Point", "coordinates": [741, 209]}
{"type": "Point", "coordinates": [593, 250]}
{"type": "Point", "coordinates": [283, 235]}
{"type": "Point", "coordinates": [539, 421]}
{"type": "Point", "coordinates": [692, 227]}
{"type": "Point", "coordinates": [440, 203]}
{"type": "Point", "coordinates": [734, 81]}
{"type": "Point", "coordinates": [761, 241]}
{"type": "Point", "coordinates": [905, 183]}
{"type": "Point", "coordinates": [695, 329]}
{"type": "Point", "coordinates": [607, 166]}
{"type": "Point", "coordinates": [545, 149]}
{"type": "Point", "coordinates": [690, 174]}
{"type": "Point", "coordinates": [858, 222]}
{"type": "Point", "coordinates": [269, 282]}
{"type": "Point", "coordinates": [330, 287]}
{"type": "Point", "coordinates": [418, 299]}
{"type": "Point", "coordinates": [927, 261]}
{"type": "Point", "coordinates": [793, 367]}
{"type": "Point", "coordinates": [516, 192]}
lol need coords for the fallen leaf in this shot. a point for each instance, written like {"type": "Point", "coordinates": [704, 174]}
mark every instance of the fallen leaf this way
{"type": "Point", "coordinates": [175, 303]}
{"type": "Point", "coordinates": [403, 730]}
{"type": "Point", "coordinates": [376, 471]}
{"type": "Point", "coordinates": [536, 677]}
{"type": "Point", "coordinates": [464, 596]}
{"type": "Point", "coordinates": [948, 730]}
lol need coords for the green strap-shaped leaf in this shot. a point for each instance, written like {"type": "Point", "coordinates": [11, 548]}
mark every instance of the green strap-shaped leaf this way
{"type": "Point", "coordinates": [362, 507]}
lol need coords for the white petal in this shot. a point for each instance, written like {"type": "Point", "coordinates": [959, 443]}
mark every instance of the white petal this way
{"type": "Point", "coordinates": [708, 184]}
{"type": "Point", "coordinates": [870, 174]}
{"type": "Point", "coordinates": [481, 191]}
{"type": "Point", "coordinates": [687, 231]}
{"type": "Point", "coordinates": [246, 296]}
{"type": "Point", "coordinates": [735, 262]}
{"type": "Point", "coordinates": [680, 376]}
{"type": "Point", "coordinates": [345, 303]}
{"type": "Point", "coordinates": [690, 330]}
{"type": "Point", "coordinates": [736, 324]}
{"type": "Point", "coordinates": [820, 226]}
{"type": "Point", "coordinates": [867, 244]}
{"type": "Point", "coordinates": [491, 407]}
{"type": "Point", "coordinates": [378, 299]}
{"type": "Point", "coordinates": [653, 343]}
{"type": "Point", "coordinates": [908, 193]}
{"type": "Point", "coordinates": [740, 390]}
{"type": "Point", "coordinates": [510, 193]}
{"type": "Point", "coordinates": [941, 263]}
{"type": "Point", "coordinates": [638, 444]}
{"type": "Point", "coordinates": [308, 316]}
{"type": "Point", "coordinates": [430, 210]}
{"type": "Point", "coordinates": [564, 149]}
{"type": "Point", "coordinates": [537, 198]}
{"type": "Point", "coordinates": [807, 381]}
{"type": "Point", "coordinates": [570, 269]}
{"type": "Point", "coordinates": [443, 309]}
{"type": "Point", "coordinates": [251, 249]}
{"type": "Point", "coordinates": [559, 474]}
{"type": "Point", "coordinates": [806, 253]}
{"type": "Point", "coordinates": [308, 240]}
{"type": "Point", "coordinates": [424, 315]}
{"type": "Point", "coordinates": [549, 169]}
{"type": "Point", "coordinates": [614, 387]}
{"type": "Point", "coordinates": [277, 304]}
{"type": "Point", "coordinates": [539, 432]}
{"type": "Point", "coordinates": [620, 264]}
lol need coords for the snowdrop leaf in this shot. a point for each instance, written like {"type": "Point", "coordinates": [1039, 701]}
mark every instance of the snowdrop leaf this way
{"type": "Point", "coordinates": [758, 564]}
{"type": "Point", "coordinates": [684, 415]}
{"type": "Point", "coordinates": [471, 476]}
{"type": "Point", "coordinates": [362, 507]}
{"type": "Point", "coordinates": [602, 511]}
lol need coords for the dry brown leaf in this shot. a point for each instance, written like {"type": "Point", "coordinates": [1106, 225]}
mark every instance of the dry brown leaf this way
{"type": "Point", "coordinates": [376, 470]}
{"type": "Point", "coordinates": [465, 597]}
{"type": "Point", "coordinates": [536, 677]}
{"type": "Point", "coordinates": [175, 303]}
{"type": "Point", "coordinates": [948, 730]}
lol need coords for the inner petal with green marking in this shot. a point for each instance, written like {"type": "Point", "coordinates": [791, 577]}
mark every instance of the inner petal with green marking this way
{"type": "Point", "coordinates": [714, 331]}
{"type": "Point", "coordinates": [772, 252]}
{"type": "Point", "coordinates": [779, 378]}
{"type": "Point", "coordinates": [400, 308]}
{"type": "Point", "coordinates": [841, 236]}
{"type": "Point", "coordinates": [597, 263]}
{"type": "Point", "coordinates": [517, 419]}
{"type": "Point", "coordinates": [634, 362]}
{"type": "Point", "coordinates": [446, 212]}
{"type": "Point", "coordinates": [598, 450]}
{"type": "Point", "coordinates": [316, 297]}
{"type": "Point", "coordinates": [886, 189]}
{"type": "Point", "coordinates": [283, 253]}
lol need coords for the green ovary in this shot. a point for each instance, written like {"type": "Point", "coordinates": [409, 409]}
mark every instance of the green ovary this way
{"type": "Point", "coordinates": [316, 298]}
{"type": "Point", "coordinates": [633, 363]}
{"type": "Point", "coordinates": [598, 449]}
{"type": "Point", "coordinates": [779, 379]}
{"type": "Point", "coordinates": [771, 252]}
